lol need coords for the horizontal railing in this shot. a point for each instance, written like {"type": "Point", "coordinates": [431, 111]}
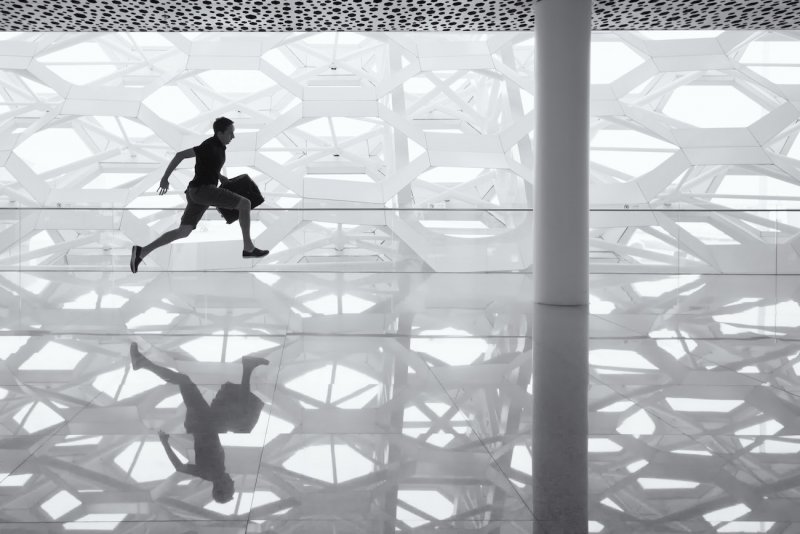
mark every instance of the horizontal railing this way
{"type": "Point", "coordinates": [660, 241]}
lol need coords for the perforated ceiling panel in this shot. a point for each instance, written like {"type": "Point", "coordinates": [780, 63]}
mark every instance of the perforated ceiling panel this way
{"type": "Point", "coordinates": [373, 15]}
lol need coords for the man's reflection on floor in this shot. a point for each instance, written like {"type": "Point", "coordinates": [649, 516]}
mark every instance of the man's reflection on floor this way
{"type": "Point", "coordinates": [235, 408]}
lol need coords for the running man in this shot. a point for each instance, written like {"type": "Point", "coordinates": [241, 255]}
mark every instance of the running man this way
{"type": "Point", "coordinates": [202, 192]}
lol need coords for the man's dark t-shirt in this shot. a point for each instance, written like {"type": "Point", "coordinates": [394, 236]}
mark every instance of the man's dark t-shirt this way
{"type": "Point", "coordinates": [209, 457]}
{"type": "Point", "coordinates": [209, 158]}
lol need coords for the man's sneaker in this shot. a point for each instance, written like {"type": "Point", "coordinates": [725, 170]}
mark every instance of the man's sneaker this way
{"type": "Point", "coordinates": [255, 253]}
{"type": "Point", "coordinates": [136, 258]}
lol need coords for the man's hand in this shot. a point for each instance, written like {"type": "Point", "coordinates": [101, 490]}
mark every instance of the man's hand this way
{"type": "Point", "coordinates": [163, 186]}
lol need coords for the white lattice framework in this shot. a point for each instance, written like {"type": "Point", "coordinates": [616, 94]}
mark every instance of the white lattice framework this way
{"type": "Point", "coordinates": [715, 163]}
{"type": "Point", "coordinates": [433, 135]}
{"type": "Point", "coordinates": [349, 134]}
{"type": "Point", "coordinates": [323, 121]}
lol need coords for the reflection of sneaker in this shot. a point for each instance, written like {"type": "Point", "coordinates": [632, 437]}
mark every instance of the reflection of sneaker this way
{"type": "Point", "coordinates": [253, 361]}
{"type": "Point", "coordinates": [136, 356]}
{"type": "Point", "coordinates": [136, 258]}
{"type": "Point", "coordinates": [255, 253]}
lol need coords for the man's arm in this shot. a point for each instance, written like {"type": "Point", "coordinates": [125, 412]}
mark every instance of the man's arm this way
{"type": "Point", "coordinates": [163, 187]}
{"type": "Point", "coordinates": [179, 466]}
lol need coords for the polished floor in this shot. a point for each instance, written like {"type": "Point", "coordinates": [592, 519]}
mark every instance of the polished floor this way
{"type": "Point", "coordinates": [392, 402]}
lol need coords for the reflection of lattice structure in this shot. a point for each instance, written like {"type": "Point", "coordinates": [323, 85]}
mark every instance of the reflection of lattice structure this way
{"type": "Point", "coordinates": [358, 428]}
{"type": "Point", "coordinates": [377, 412]}
{"type": "Point", "coordinates": [693, 403]}
{"type": "Point", "coordinates": [692, 414]}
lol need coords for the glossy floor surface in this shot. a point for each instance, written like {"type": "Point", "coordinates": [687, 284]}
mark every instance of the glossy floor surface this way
{"type": "Point", "coordinates": [392, 402]}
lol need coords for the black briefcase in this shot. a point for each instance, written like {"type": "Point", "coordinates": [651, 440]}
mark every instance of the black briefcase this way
{"type": "Point", "coordinates": [245, 186]}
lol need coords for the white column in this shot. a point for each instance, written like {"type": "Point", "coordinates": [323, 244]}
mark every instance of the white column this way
{"type": "Point", "coordinates": [561, 282]}
{"type": "Point", "coordinates": [561, 193]}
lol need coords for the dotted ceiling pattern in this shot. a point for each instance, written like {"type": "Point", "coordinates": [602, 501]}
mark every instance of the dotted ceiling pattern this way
{"type": "Point", "coordinates": [374, 15]}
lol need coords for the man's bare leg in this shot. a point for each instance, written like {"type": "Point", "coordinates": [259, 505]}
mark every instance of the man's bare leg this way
{"type": "Point", "coordinates": [244, 223]}
{"type": "Point", "coordinates": [139, 253]}
{"type": "Point", "coordinates": [167, 237]}
{"type": "Point", "coordinates": [139, 361]}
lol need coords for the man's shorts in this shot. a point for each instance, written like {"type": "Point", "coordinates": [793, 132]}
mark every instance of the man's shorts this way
{"type": "Point", "coordinates": [200, 198]}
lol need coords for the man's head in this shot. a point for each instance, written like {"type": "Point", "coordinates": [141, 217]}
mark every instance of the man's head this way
{"type": "Point", "coordinates": [223, 488]}
{"type": "Point", "coordinates": [223, 129]}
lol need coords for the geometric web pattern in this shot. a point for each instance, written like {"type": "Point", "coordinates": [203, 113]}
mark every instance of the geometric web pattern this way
{"type": "Point", "coordinates": [413, 412]}
{"type": "Point", "coordinates": [328, 125]}
{"type": "Point", "coordinates": [398, 396]}
{"type": "Point", "coordinates": [698, 145]}
{"type": "Point", "coordinates": [398, 151]}
{"type": "Point", "coordinates": [692, 401]}
{"type": "Point", "coordinates": [366, 432]}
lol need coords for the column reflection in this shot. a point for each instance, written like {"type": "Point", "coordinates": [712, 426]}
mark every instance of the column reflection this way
{"type": "Point", "coordinates": [560, 422]}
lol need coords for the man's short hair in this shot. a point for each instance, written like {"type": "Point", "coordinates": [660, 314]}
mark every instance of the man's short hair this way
{"type": "Point", "coordinates": [221, 124]}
